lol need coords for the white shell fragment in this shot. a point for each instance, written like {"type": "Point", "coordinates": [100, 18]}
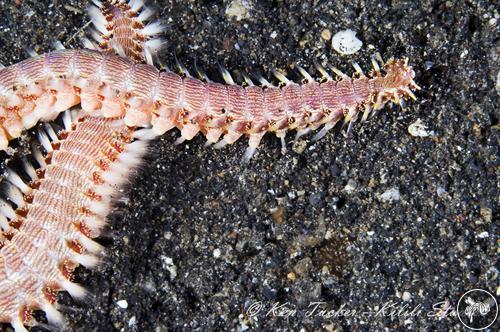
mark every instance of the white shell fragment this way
{"type": "Point", "coordinates": [390, 195]}
{"type": "Point", "coordinates": [122, 304]}
{"type": "Point", "coordinates": [345, 42]}
{"type": "Point", "coordinates": [239, 9]}
{"type": "Point", "coordinates": [418, 129]}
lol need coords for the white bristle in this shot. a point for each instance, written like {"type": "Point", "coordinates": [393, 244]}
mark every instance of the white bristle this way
{"type": "Point", "coordinates": [16, 180]}
{"type": "Point", "coordinates": [357, 67]}
{"type": "Point", "coordinates": [15, 196]}
{"type": "Point", "coordinates": [95, 223]}
{"type": "Point", "coordinates": [138, 147]}
{"type": "Point", "coordinates": [135, 5]}
{"type": "Point", "coordinates": [112, 178]}
{"type": "Point", "coordinates": [264, 82]}
{"type": "Point", "coordinates": [97, 17]}
{"type": "Point", "coordinates": [320, 134]}
{"type": "Point", "coordinates": [58, 45]}
{"type": "Point", "coordinates": [97, 3]}
{"type": "Point", "coordinates": [301, 132]}
{"type": "Point", "coordinates": [76, 291]}
{"type": "Point", "coordinates": [97, 36]}
{"type": "Point", "coordinates": [90, 245]}
{"type": "Point", "coordinates": [249, 152]}
{"type": "Point", "coordinates": [119, 169]}
{"type": "Point", "coordinates": [104, 190]}
{"type": "Point", "coordinates": [375, 65]}
{"type": "Point", "coordinates": [32, 52]}
{"type": "Point", "coordinates": [7, 210]}
{"type": "Point", "coordinates": [86, 43]}
{"type": "Point", "coordinates": [52, 134]}
{"type": "Point", "coordinates": [179, 140]}
{"type": "Point", "coordinates": [283, 144]}
{"type": "Point", "coordinates": [53, 316]}
{"type": "Point", "coordinates": [99, 208]}
{"type": "Point", "coordinates": [29, 169]}
{"type": "Point", "coordinates": [118, 48]}
{"type": "Point", "coordinates": [100, 27]}
{"type": "Point", "coordinates": [149, 56]}
{"type": "Point", "coordinates": [153, 29]}
{"type": "Point", "coordinates": [220, 144]}
{"type": "Point", "coordinates": [282, 78]}
{"type": "Point", "coordinates": [145, 134]}
{"type": "Point", "coordinates": [67, 120]}
{"type": "Point", "coordinates": [226, 75]}
{"type": "Point", "coordinates": [305, 74]}
{"type": "Point", "coordinates": [75, 115]}
{"type": "Point", "coordinates": [44, 140]}
{"type": "Point", "coordinates": [18, 325]}
{"type": "Point", "coordinates": [4, 224]}
{"type": "Point", "coordinates": [130, 160]}
{"type": "Point", "coordinates": [155, 44]}
{"type": "Point", "coordinates": [88, 261]}
{"type": "Point", "coordinates": [145, 14]}
{"type": "Point", "coordinates": [39, 157]}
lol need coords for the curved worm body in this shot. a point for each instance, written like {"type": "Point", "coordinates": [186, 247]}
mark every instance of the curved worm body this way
{"type": "Point", "coordinates": [111, 86]}
{"type": "Point", "coordinates": [48, 227]}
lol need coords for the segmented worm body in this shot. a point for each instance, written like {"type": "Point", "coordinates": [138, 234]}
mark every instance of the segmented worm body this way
{"type": "Point", "coordinates": [111, 86]}
{"type": "Point", "coordinates": [51, 218]}
{"type": "Point", "coordinates": [59, 212]}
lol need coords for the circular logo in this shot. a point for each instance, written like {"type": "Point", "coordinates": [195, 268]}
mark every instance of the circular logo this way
{"type": "Point", "coordinates": [477, 309]}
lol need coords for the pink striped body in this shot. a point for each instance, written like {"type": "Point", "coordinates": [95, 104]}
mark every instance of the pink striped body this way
{"type": "Point", "coordinates": [64, 210]}
{"type": "Point", "coordinates": [111, 86]}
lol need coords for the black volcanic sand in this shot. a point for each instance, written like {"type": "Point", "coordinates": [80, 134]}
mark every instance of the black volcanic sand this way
{"type": "Point", "coordinates": [198, 237]}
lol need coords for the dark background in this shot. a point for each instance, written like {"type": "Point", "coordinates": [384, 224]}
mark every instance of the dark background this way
{"type": "Point", "coordinates": [316, 212]}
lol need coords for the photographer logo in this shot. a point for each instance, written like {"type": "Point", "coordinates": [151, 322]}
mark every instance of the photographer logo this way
{"type": "Point", "coordinates": [477, 309]}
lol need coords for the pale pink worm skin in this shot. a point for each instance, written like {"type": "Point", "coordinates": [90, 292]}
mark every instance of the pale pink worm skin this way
{"type": "Point", "coordinates": [66, 205]}
{"type": "Point", "coordinates": [63, 208]}
{"type": "Point", "coordinates": [111, 86]}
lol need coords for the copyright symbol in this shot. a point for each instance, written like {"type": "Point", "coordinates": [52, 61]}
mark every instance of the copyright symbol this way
{"type": "Point", "coordinates": [254, 309]}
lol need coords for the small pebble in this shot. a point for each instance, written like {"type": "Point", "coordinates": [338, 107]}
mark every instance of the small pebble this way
{"type": "Point", "coordinates": [483, 235]}
{"type": "Point", "coordinates": [418, 129]}
{"type": "Point", "coordinates": [299, 146]}
{"type": "Point", "coordinates": [239, 9]}
{"type": "Point", "coordinates": [440, 191]}
{"type": "Point", "coordinates": [278, 214]}
{"type": "Point", "coordinates": [122, 304]}
{"type": "Point", "coordinates": [390, 195]}
{"type": "Point", "coordinates": [486, 214]}
{"type": "Point", "coordinates": [350, 187]}
{"type": "Point", "coordinates": [217, 253]}
{"type": "Point", "coordinates": [326, 34]}
{"type": "Point", "coordinates": [303, 267]}
{"type": "Point", "coordinates": [168, 264]}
